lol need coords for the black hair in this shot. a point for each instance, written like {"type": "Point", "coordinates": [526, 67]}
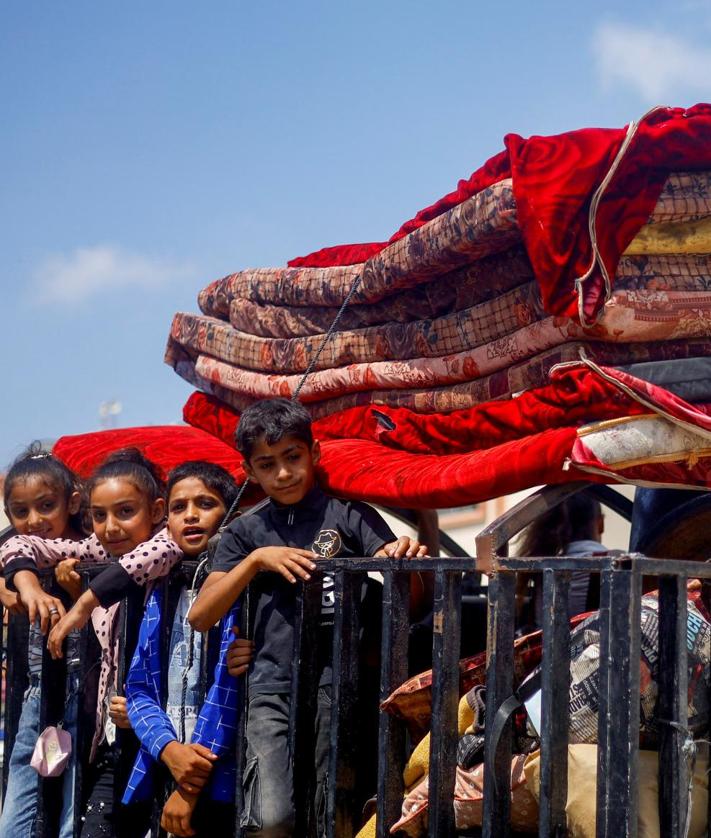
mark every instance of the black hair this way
{"type": "Point", "coordinates": [131, 464]}
{"type": "Point", "coordinates": [36, 461]}
{"type": "Point", "coordinates": [216, 478]}
{"type": "Point", "coordinates": [272, 420]}
{"type": "Point", "coordinates": [572, 520]}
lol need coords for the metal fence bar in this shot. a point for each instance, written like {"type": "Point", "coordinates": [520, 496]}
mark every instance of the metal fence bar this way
{"type": "Point", "coordinates": [171, 587]}
{"type": "Point", "coordinates": [445, 698]}
{"type": "Point", "coordinates": [89, 657]}
{"type": "Point", "coordinates": [393, 672]}
{"type": "Point", "coordinates": [673, 706]}
{"type": "Point", "coordinates": [341, 814]}
{"type": "Point", "coordinates": [499, 687]}
{"type": "Point", "coordinates": [618, 717]}
{"type": "Point", "coordinates": [16, 682]}
{"type": "Point", "coordinates": [304, 689]}
{"type": "Point", "coordinates": [555, 686]}
{"type": "Point", "coordinates": [53, 682]}
{"type": "Point", "coordinates": [4, 693]}
{"type": "Point", "coordinates": [241, 743]}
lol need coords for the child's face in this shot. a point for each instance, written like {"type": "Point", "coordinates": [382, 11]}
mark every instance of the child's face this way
{"type": "Point", "coordinates": [122, 516]}
{"type": "Point", "coordinates": [194, 514]}
{"type": "Point", "coordinates": [35, 507]}
{"type": "Point", "coordinates": [285, 470]}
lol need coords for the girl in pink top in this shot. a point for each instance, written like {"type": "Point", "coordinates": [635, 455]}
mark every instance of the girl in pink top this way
{"type": "Point", "coordinates": [127, 510]}
{"type": "Point", "coordinates": [42, 500]}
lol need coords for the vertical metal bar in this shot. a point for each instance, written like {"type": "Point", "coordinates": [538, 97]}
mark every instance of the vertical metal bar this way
{"type": "Point", "coordinates": [241, 743]}
{"type": "Point", "coordinates": [119, 743]}
{"type": "Point", "coordinates": [53, 682]}
{"type": "Point", "coordinates": [16, 681]}
{"type": "Point", "coordinates": [171, 587]}
{"type": "Point", "coordinates": [445, 699]}
{"type": "Point", "coordinates": [499, 687]}
{"type": "Point", "coordinates": [3, 698]}
{"type": "Point", "coordinates": [85, 720]}
{"type": "Point", "coordinates": [341, 787]}
{"type": "Point", "coordinates": [393, 672]}
{"type": "Point", "coordinates": [126, 744]}
{"type": "Point", "coordinates": [304, 689]}
{"type": "Point", "coordinates": [618, 721]}
{"type": "Point", "coordinates": [673, 705]}
{"type": "Point", "coordinates": [555, 686]}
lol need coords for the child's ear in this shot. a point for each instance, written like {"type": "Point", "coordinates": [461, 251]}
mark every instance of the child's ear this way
{"type": "Point", "coordinates": [158, 512]}
{"type": "Point", "coordinates": [249, 471]}
{"type": "Point", "coordinates": [74, 503]}
{"type": "Point", "coordinates": [316, 452]}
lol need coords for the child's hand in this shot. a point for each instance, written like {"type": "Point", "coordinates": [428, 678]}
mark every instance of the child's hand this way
{"type": "Point", "coordinates": [177, 812]}
{"type": "Point", "coordinates": [37, 602]}
{"type": "Point", "coordinates": [118, 712]}
{"type": "Point", "coordinates": [239, 654]}
{"type": "Point", "coordinates": [76, 618]}
{"type": "Point", "coordinates": [289, 561]}
{"type": "Point", "coordinates": [68, 578]}
{"type": "Point", "coordinates": [404, 546]}
{"type": "Point", "coordinates": [10, 600]}
{"type": "Point", "coordinates": [190, 765]}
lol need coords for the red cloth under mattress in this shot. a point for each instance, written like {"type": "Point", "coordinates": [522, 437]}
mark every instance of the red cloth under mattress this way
{"type": "Point", "coordinates": [554, 179]}
{"type": "Point", "coordinates": [576, 397]}
{"type": "Point", "coordinates": [398, 458]}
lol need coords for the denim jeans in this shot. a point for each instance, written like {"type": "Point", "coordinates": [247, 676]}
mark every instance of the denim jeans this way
{"type": "Point", "coordinates": [268, 779]}
{"type": "Point", "coordinates": [178, 671]}
{"type": "Point", "coordinates": [20, 805]}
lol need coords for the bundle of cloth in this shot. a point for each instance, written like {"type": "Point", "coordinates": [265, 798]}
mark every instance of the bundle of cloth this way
{"type": "Point", "coordinates": [574, 269]}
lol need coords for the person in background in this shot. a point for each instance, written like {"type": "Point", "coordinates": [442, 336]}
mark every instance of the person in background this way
{"type": "Point", "coordinates": [573, 528]}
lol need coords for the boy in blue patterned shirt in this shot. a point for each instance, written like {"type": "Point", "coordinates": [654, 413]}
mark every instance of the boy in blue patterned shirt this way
{"type": "Point", "coordinates": [197, 748]}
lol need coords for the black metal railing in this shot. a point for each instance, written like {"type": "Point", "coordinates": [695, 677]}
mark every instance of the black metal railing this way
{"type": "Point", "coordinates": [618, 722]}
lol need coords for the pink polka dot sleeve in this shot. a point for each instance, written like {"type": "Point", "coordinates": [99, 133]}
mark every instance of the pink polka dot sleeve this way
{"type": "Point", "coordinates": [151, 560]}
{"type": "Point", "coordinates": [31, 550]}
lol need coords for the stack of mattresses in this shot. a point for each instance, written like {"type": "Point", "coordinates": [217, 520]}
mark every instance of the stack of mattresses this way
{"type": "Point", "coordinates": [594, 244]}
{"type": "Point", "coordinates": [451, 314]}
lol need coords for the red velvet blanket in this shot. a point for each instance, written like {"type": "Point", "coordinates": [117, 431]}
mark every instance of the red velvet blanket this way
{"type": "Point", "coordinates": [554, 180]}
{"type": "Point", "coordinates": [398, 458]}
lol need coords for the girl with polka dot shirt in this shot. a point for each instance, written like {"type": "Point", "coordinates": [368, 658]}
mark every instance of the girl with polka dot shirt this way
{"type": "Point", "coordinates": [42, 500]}
{"type": "Point", "coordinates": [127, 507]}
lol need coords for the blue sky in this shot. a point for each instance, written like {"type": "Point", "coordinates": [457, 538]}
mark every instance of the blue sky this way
{"type": "Point", "coordinates": [149, 148]}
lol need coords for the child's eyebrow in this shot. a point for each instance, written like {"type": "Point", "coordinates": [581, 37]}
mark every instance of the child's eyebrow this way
{"type": "Point", "coordinates": [121, 502]}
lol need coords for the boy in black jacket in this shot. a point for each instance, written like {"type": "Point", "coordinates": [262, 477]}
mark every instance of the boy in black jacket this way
{"type": "Point", "coordinates": [285, 538]}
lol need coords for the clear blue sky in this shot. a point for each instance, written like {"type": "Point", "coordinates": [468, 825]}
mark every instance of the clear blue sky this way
{"type": "Point", "coordinates": [150, 147]}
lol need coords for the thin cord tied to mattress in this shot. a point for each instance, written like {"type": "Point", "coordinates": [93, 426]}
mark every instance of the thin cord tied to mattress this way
{"type": "Point", "coordinates": [295, 395]}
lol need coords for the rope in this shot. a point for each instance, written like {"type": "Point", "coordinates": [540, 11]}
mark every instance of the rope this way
{"type": "Point", "coordinates": [689, 751]}
{"type": "Point", "coordinates": [295, 395]}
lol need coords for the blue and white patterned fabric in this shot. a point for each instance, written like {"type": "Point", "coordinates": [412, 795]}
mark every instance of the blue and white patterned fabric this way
{"type": "Point", "coordinates": [216, 724]}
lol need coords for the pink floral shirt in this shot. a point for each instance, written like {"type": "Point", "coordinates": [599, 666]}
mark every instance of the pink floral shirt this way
{"type": "Point", "coordinates": [149, 562]}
